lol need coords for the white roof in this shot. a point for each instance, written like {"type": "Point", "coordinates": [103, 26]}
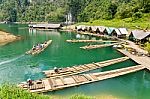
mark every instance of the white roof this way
{"type": "Point", "coordinates": [118, 32]}
{"type": "Point", "coordinates": [140, 34]}
{"type": "Point", "coordinates": [101, 28]}
{"type": "Point", "coordinates": [123, 30]}
{"type": "Point", "coordinates": [94, 28]}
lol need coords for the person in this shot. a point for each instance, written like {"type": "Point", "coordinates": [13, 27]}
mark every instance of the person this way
{"type": "Point", "coordinates": [34, 47]}
{"type": "Point", "coordinates": [56, 69]}
{"type": "Point", "coordinates": [45, 42]}
{"type": "Point", "coordinates": [29, 81]}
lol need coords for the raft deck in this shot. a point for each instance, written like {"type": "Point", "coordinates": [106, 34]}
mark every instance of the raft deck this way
{"type": "Point", "coordinates": [33, 52]}
{"type": "Point", "coordinates": [83, 41]}
{"type": "Point", "coordinates": [98, 46]}
{"type": "Point", "coordinates": [83, 68]}
{"type": "Point", "coordinates": [52, 84]}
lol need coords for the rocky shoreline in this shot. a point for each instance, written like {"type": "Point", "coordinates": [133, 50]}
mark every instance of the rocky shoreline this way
{"type": "Point", "coordinates": [7, 38]}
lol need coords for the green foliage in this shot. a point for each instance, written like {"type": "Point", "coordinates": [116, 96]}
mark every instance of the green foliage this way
{"type": "Point", "coordinates": [81, 10]}
{"type": "Point", "coordinates": [127, 22]}
{"type": "Point", "coordinates": [81, 97]}
{"type": "Point", "coordinates": [110, 9]}
{"type": "Point", "coordinates": [147, 47]}
{"type": "Point", "coordinates": [13, 92]}
{"type": "Point", "coordinates": [38, 11]}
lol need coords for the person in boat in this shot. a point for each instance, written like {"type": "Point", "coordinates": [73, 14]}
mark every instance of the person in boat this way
{"type": "Point", "coordinates": [56, 70]}
{"type": "Point", "coordinates": [34, 47]}
{"type": "Point", "coordinates": [42, 45]}
{"type": "Point", "coordinates": [29, 81]}
{"type": "Point", "coordinates": [38, 47]}
{"type": "Point", "coordinates": [45, 42]}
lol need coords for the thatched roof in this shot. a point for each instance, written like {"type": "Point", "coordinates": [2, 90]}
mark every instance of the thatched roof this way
{"type": "Point", "coordinates": [140, 34]}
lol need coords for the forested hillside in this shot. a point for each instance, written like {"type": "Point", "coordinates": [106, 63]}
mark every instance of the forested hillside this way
{"type": "Point", "coordinates": [81, 10]}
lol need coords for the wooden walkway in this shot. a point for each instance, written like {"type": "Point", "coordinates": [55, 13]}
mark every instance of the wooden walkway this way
{"type": "Point", "coordinates": [57, 83]}
{"type": "Point", "coordinates": [143, 60]}
{"type": "Point", "coordinates": [98, 46]}
{"type": "Point", "coordinates": [83, 41]}
{"type": "Point", "coordinates": [83, 68]}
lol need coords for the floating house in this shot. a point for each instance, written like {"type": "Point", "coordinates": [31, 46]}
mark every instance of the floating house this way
{"type": "Point", "coordinates": [93, 29]}
{"type": "Point", "coordinates": [139, 36]}
{"type": "Point", "coordinates": [108, 30]}
{"type": "Point", "coordinates": [81, 28]}
{"type": "Point", "coordinates": [84, 28]}
{"type": "Point", "coordinates": [119, 32]}
{"type": "Point", "coordinates": [101, 29]}
{"type": "Point", "coordinates": [123, 32]}
{"type": "Point", "coordinates": [46, 26]}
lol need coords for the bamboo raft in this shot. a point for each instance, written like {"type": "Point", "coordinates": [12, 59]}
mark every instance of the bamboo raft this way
{"type": "Point", "coordinates": [33, 52]}
{"type": "Point", "coordinates": [98, 46]}
{"type": "Point", "coordinates": [52, 84]}
{"type": "Point", "coordinates": [80, 41]}
{"type": "Point", "coordinates": [82, 68]}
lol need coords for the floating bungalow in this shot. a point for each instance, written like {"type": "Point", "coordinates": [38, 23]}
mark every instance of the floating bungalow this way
{"type": "Point", "coordinates": [123, 32]}
{"type": "Point", "coordinates": [139, 36]}
{"type": "Point", "coordinates": [108, 30]}
{"type": "Point", "coordinates": [102, 30]}
{"type": "Point", "coordinates": [46, 26]}
{"type": "Point", "coordinates": [119, 32]}
{"type": "Point", "coordinates": [93, 29]}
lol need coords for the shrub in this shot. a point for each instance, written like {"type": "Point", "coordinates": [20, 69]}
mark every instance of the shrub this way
{"type": "Point", "coordinates": [13, 92]}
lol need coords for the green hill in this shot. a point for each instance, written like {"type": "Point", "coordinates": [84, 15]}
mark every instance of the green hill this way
{"type": "Point", "coordinates": [81, 10]}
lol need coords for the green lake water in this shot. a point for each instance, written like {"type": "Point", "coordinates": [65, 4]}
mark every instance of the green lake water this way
{"type": "Point", "coordinates": [17, 67]}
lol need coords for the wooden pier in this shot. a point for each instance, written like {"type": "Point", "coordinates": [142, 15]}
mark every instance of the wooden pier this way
{"type": "Point", "coordinates": [143, 60]}
{"type": "Point", "coordinates": [57, 83]}
{"type": "Point", "coordinates": [82, 68]}
{"type": "Point", "coordinates": [97, 46]}
{"type": "Point", "coordinates": [88, 41]}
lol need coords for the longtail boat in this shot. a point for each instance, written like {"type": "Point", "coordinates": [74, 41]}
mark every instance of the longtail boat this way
{"type": "Point", "coordinates": [45, 45]}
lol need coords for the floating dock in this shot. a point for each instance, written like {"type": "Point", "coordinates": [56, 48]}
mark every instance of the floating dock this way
{"type": "Point", "coordinates": [88, 41]}
{"type": "Point", "coordinates": [97, 46]}
{"type": "Point", "coordinates": [82, 68]}
{"type": "Point", "coordinates": [57, 83]}
{"type": "Point", "coordinates": [45, 26]}
{"type": "Point", "coordinates": [143, 60]}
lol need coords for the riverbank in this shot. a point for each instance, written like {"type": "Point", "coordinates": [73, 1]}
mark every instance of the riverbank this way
{"type": "Point", "coordinates": [7, 38]}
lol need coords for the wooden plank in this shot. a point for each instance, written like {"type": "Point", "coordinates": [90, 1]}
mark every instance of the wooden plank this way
{"type": "Point", "coordinates": [91, 66]}
{"type": "Point", "coordinates": [93, 76]}
{"type": "Point", "coordinates": [77, 69]}
{"type": "Point", "coordinates": [47, 84]}
{"type": "Point", "coordinates": [69, 80]}
{"type": "Point", "coordinates": [58, 82]}
{"type": "Point", "coordinates": [63, 81]}
{"type": "Point", "coordinates": [75, 79]}
{"type": "Point", "coordinates": [88, 78]}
